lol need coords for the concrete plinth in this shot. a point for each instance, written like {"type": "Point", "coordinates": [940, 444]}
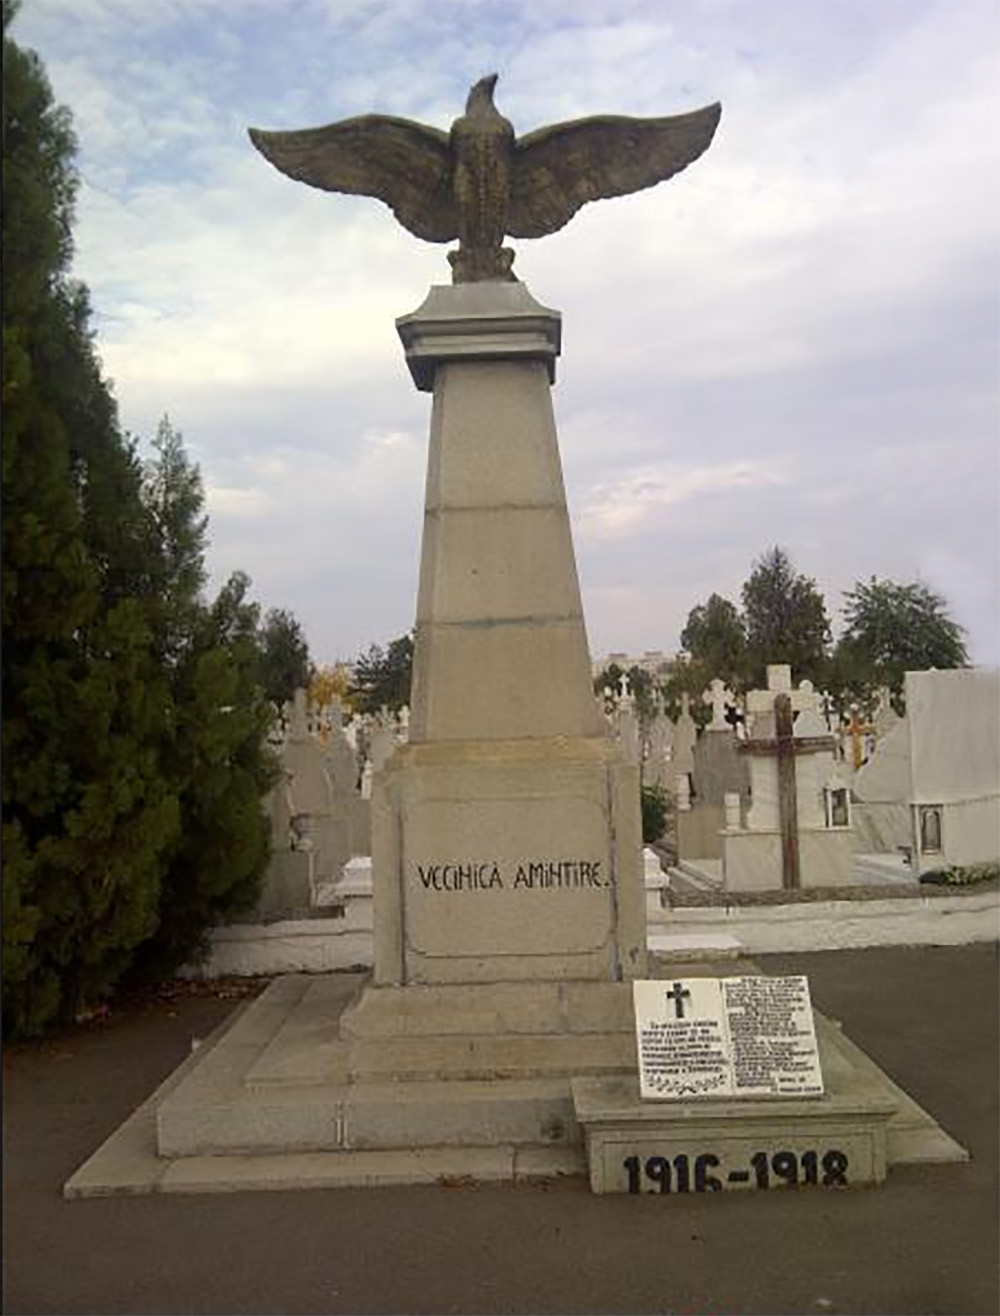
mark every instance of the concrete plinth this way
{"type": "Point", "coordinates": [512, 861]}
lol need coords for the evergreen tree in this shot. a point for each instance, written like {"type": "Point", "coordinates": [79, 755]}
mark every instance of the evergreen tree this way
{"type": "Point", "coordinates": [134, 723]}
{"type": "Point", "coordinates": [175, 499]}
{"type": "Point", "coordinates": [222, 767]}
{"type": "Point", "coordinates": [715, 638]}
{"type": "Point", "coordinates": [214, 751]}
{"type": "Point", "coordinates": [383, 676]}
{"type": "Point", "coordinates": [87, 812]}
{"type": "Point", "coordinates": [893, 628]}
{"type": "Point", "coordinates": [609, 678]}
{"type": "Point", "coordinates": [785, 618]}
{"type": "Point", "coordinates": [285, 665]}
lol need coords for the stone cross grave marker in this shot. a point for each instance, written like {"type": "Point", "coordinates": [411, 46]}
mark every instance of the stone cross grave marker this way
{"type": "Point", "coordinates": [719, 696]}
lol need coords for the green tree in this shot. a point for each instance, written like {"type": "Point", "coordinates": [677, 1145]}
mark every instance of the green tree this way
{"type": "Point", "coordinates": [643, 688]}
{"type": "Point", "coordinates": [221, 767]}
{"type": "Point", "coordinates": [655, 805]}
{"type": "Point", "coordinates": [175, 499]}
{"type": "Point", "coordinates": [214, 749]}
{"type": "Point", "coordinates": [134, 723]}
{"type": "Point", "coordinates": [608, 678]}
{"type": "Point", "coordinates": [890, 629]}
{"type": "Point", "coordinates": [715, 638]}
{"type": "Point", "coordinates": [687, 677]}
{"type": "Point", "coordinates": [383, 676]}
{"type": "Point", "coordinates": [285, 665]}
{"type": "Point", "coordinates": [785, 618]}
{"type": "Point", "coordinates": [87, 812]}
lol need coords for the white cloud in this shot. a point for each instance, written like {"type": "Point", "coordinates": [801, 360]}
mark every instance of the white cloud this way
{"type": "Point", "coordinates": [795, 340]}
{"type": "Point", "coordinates": [224, 503]}
{"type": "Point", "coordinates": [621, 506]}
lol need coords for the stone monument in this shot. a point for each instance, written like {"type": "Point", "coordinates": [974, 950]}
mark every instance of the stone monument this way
{"type": "Point", "coordinates": [509, 902]}
{"type": "Point", "coordinates": [506, 836]}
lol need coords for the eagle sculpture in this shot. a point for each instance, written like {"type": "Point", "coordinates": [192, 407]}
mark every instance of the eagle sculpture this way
{"type": "Point", "coordinates": [479, 182]}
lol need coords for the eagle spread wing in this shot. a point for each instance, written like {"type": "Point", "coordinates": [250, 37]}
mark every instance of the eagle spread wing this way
{"type": "Point", "coordinates": [405, 164]}
{"type": "Point", "coordinates": [558, 169]}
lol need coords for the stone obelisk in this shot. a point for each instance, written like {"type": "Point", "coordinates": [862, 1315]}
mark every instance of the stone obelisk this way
{"type": "Point", "coordinates": [506, 834]}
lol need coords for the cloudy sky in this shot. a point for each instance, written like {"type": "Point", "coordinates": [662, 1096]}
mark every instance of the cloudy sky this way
{"type": "Point", "coordinates": [795, 341]}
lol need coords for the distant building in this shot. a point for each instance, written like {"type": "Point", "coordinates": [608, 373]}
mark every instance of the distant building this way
{"type": "Point", "coordinates": [653, 661]}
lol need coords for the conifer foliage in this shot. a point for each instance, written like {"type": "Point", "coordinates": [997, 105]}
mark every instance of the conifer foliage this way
{"type": "Point", "coordinates": [134, 726]}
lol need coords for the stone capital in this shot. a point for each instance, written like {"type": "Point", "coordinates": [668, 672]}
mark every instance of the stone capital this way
{"type": "Point", "coordinates": [478, 322]}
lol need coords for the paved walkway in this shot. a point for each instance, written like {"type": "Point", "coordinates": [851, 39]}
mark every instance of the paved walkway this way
{"type": "Point", "coordinates": [926, 1242]}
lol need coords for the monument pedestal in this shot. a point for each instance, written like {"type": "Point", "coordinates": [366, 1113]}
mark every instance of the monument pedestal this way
{"type": "Point", "coordinates": [508, 860]}
{"type": "Point", "coordinates": [506, 834]}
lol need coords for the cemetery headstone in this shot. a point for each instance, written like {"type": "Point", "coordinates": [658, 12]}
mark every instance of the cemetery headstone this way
{"type": "Point", "coordinates": [685, 737]}
{"type": "Point", "coordinates": [721, 700]}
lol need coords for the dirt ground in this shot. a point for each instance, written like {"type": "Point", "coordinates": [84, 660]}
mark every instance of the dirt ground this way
{"type": "Point", "coordinates": [925, 1242]}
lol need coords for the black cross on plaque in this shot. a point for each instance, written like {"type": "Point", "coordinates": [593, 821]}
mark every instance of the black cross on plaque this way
{"type": "Point", "coordinates": [786, 747]}
{"type": "Point", "coordinates": [679, 994]}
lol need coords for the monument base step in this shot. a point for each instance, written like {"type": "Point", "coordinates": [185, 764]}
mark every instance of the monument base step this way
{"type": "Point", "coordinates": [330, 1064]}
{"type": "Point", "coordinates": [213, 1125]}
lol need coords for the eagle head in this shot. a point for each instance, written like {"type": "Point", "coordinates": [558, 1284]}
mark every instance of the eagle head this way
{"type": "Point", "coordinates": [481, 95]}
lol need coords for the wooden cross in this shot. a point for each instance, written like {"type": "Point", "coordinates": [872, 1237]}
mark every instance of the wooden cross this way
{"type": "Point", "coordinates": [787, 747]}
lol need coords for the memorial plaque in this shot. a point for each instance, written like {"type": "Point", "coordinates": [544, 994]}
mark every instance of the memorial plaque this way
{"type": "Point", "coordinates": [772, 1036]}
{"type": "Point", "coordinates": [726, 1037]}
{"type": "Point", "coordinates": [681, 1033]}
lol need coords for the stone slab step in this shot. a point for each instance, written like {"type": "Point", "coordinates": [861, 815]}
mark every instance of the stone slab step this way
{"type": "Point", "coordinates": [206, 1130]}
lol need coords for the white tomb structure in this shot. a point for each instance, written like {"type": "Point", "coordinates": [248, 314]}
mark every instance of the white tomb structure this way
{"type": "Point", "coordinates": [799, 834]}
{"type": "Point", "coordinates": [954, 750]}
{"type": "Point", "coordinates": [932, 786]}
